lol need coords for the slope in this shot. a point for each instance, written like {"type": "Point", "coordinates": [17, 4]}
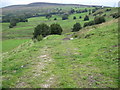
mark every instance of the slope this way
{"type": "Point", "coordinates": [88, 61]}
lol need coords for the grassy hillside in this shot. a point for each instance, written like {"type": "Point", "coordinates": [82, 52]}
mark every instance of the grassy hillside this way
{"type": "Point", "coordinates": [11, 44]}
{"type": "Point", "coordinates": [25, 30]}
{"type": "Point", "coordinates": [90, 60]}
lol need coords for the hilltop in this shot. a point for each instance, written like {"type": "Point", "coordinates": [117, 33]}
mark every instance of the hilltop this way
{"type": "Point", "coordinates": [35, 7]}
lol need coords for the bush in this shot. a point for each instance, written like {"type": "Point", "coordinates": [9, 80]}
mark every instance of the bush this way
{"type": "Point", "coordinates": [76, 27]}
{"type": "Point", "coordinates": [80, 17]}
{"type": "Point", "coordinates": [115, 15]}
{"type": "Point", "coordinates": [99, 20]}
{"type": "Point", "coordinates": [72, 11]}
{"type": "Point", "coordinates": [93, 10]}
{"type": "Point", "coordinates": [104, 15]}
{"type": "Point", "coordinates": [13, 23]}
{"type": "Point", "coordinates": [10, 26]}
{"type": "Point", "coordinates": [41, 29]}
{"type": "Point", "coordinates": [74, 17]}
{"type": "Point", "coordinates": [90, 23]}
{"type": "Point", "coordinates": [86, 18]}
{"type": "Point", "coordinates": [56, 29]}
{"type": "Point", "coordinates": [64, 17]}
{"type": "Point", "coordinates": [108, 9]}
{"type": "Point", "coordinates": [39, 37]}
{"type": "Point", "coordinates": [55, 18]}
{"type": "Point", "coordinates": [89, 13]}
{"type": "Point", "coordinates": [48, 16]}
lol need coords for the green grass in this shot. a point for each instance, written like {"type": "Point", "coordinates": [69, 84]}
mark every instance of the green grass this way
{"type": "Point", "coordinates": [90, 62]}
{"type": "Point", "coordinates": [25, 30]}
{"type": "Point", "coordinates": [10, 44]}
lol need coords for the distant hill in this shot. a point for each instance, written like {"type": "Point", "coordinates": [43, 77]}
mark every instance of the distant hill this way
{"type": "Point", "coordinates": [38, 7]}
{"type": "Point", "coordinates": [43, 4]}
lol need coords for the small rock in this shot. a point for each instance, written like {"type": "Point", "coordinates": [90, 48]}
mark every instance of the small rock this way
{"type": "Point", "coordinates": [22, 66]}
{"type": "Point", "coordinates": [71, 38]}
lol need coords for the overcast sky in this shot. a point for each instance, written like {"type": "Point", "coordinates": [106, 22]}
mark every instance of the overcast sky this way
{"type": "Point", "coordinates": [88, 2]}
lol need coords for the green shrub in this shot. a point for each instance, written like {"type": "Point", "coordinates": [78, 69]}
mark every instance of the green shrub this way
{"type": "Point", "coordinates": [108, 9]}
{"type": "Point", "coordinates": [76, 27]}
{"type": "Point", "coordinates": [13, 22]}
{"type": "Point", "coordinates": [99, 19]}
{"type": "Point", "coordinates": [71, 11]}
{"type": "Point", "coordinates": [55, 18]}
{"type": "Point", "coordinates": [11, 26]}
{"type": "Point", "coordinates": [48, 16]}
{"type": "Point", "coordinates": [86, 18]}
{"type": "Point", "coordinates": [39, 37]}
{"type": "Point", "coordinates": [90, 23]}
{"type": "Point", "coordinates": [41, 29]}
{"type": "Point", "coordinates": [64, 17]}
{"type": "Point", "coordinates": [56, 29]}
{"type": "Point", "coordinates": [93, 10]}
{"type": "Point", "coordinates": [115, 15]}
{"type": "Point", "coordinates": [74, 17]}
{"type": "Point", "coordinates": [80, 17]}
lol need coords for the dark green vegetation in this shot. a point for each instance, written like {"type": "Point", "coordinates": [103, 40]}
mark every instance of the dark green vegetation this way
{"type": "Point", "coordinates": [87, 58]}
{"type": "Point", "coordinates": [55, 29]}
{"type": "Point", "coordinates": [76, 27]}
{"type": "Point", "coordinates": [86, 18]}
{"type": "Point", "coordinates": [44, 30]}
{"type": "Point", "coordinates": [41, 29]}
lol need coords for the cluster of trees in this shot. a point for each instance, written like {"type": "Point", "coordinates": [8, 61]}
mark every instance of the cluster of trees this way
{"type": "Point", "coordinates": [97, 20]}
{"type": "Point", "coordinates": [20, 17]}
{"type": "Point", "coordinates": [109, 9]}
{"type": "Point", "coordinates": [15, 20]}
{"type": "Point", "coordinates": [90, 23]}
{"type": "Point", "coordinates": [72, 11]}
{"type": "Point", "coordinates": [98, 13]}
{"type": "Point", "coordinates": [115, 15]}
{"type": "Point", "coordinates": [42, 30]}
{"type": "Point", "coordinates": [48, 16]}
{"type": "Point", "coordinates": [81, 11]}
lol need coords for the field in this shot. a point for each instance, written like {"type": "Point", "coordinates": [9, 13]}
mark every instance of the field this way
{"type": "Point", "coordinates": [12, 43]}
{"type": "Point", "coordinates": [89, 60]}
{"type": "Point", "coordinates": [25, 30]}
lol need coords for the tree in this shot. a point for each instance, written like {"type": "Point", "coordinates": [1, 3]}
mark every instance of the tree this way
{"type": "Point", "coordinates": [93, 10]}
{"type": "Point", "coordinates": [41, 29]}
{"type": "Point", "coordinates": [72, 11]}
{"type": "Point", "coordinates": [86, 18]}
{"type": "Point", "coordinates": [13, 22]}
{"type": "Point", "coordinates": [80, 17]}
{"type": "Point", "coordinates": [76, 27]}
{"type": "Point", "coordinates": [56, 29]}
{"type": "Point", "coordinates": [89, 13]}
{"type": "Point", "coordinates": [90, 23]}
{"type": "Point", "coordinates": [48, 16]}
{"type": "Point", "coordinates": [74, 17]}
{"type": "Point", "coordinates": [99, 19]}
{"type": "Point", "coordinates": [55, 18]}
{"type": "Point", "coordinates": [115, 15]}
{"type": "Point", "coordinates": [85, 10]}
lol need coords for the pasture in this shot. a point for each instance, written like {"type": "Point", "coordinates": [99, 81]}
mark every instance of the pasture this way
{"type": "Point", "coordinates": [88, 60]}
